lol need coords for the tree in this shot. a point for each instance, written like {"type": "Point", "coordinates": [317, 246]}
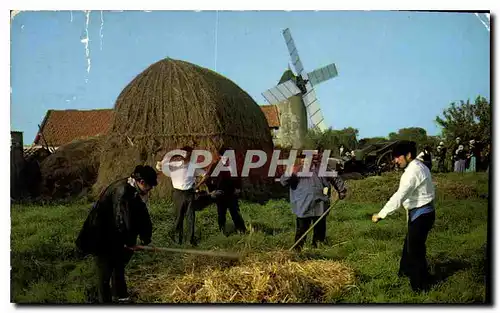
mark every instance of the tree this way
{"type": "Point", "coordinates": [393, 136]}
{"type": "Point", "coordinates": [416, 134]}
{"type": "Point", "coordinates": [332, 139]}
{"type": "Point", "coordinates": [467, 120]}
{"type": "Point", "coordinates": [433, 141]}
{"type": "Point", "coordinates": [370, 140]}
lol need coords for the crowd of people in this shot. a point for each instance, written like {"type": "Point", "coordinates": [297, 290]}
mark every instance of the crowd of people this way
{"type": "Point", "coordinates": [120, 215]}
{"type": "Point", "coordinates": [460, 158]}
{"type": "Point", "coordinates": [463, 158]}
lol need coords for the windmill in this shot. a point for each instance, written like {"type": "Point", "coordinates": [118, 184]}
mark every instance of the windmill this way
{"type": "Point", "coordinates": [302, 84]}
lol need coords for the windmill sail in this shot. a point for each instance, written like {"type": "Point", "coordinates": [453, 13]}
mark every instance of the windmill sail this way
{"type": "Point", "coordinates": [292, 50]}
{"type": "Point", "coordinates": [322, 74]}
{"type": "Point", "coordinates": [313, 109]}
{"type": "Point", "coordinates": [301, 83]}
{"type": "Point", "coordinates": [281, 92]}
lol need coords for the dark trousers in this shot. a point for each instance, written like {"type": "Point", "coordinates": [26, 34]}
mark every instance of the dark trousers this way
{"type": "Point", "coordinates": [112, 267]}
{"type": "Point", "coordinates": [229, 202]}
{"type": "Point", "coordinates": [441, 166]}
{"type": "Point", "coordinates": [413, 260]}
{"type": "Point", "coordinates": [303, 224]}
{"type": "Point", "coordinates": [184, 208]}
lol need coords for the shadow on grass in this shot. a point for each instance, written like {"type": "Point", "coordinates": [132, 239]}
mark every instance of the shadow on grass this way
{"type": "Point", "coordinates": [386, 234]}
{"type": "Point", "coordinates": [440, 271]}
{"type": "Point", "coordinates": [266, 229]}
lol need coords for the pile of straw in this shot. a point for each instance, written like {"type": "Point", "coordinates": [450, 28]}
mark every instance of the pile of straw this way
{"type": "Point", "coordinates": [264, 278]}
{"type": "Point", "coordinates": [172, 104]}
{"type": "Point", "coordinates": [71, 170]}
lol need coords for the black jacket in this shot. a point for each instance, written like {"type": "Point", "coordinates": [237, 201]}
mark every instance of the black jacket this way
{"type": "Point", "coordinates": [427, 157]}
{"type": "Point", "coordinates": [442, 153]}
{"type": "Point", "coordinates": [461, 155]}
{"type": "Point", "coordinates": [115, 220]}
{"type": "Point", "coordinates": [224, 181]}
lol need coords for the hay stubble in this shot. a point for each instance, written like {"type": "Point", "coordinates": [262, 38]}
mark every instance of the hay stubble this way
{"type": "Point", "coordinates": [272, 277]}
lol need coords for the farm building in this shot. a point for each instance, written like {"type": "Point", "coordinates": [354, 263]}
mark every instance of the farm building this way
{"type": "Point", "coordinates": [16, 163]}
{"type": "Point", "coordinates": [60, 127]}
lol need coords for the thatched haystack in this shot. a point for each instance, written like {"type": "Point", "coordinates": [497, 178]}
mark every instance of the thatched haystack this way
{"type": "Point", "coordinates": [172, 104]}
{"type": "Point", "coordinates": [273, 277]}
{"type": "Point", "coordinates": [71, 170]}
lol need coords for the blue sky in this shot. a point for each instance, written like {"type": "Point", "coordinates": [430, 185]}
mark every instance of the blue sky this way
{"type": "Point", "coordinates": [396, 69]}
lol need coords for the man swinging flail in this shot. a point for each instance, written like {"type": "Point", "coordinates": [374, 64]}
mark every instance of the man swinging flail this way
{"type": "Point", "coordinates": [111, 229]}
{"type": "Point", "coordinates": [416, 194]}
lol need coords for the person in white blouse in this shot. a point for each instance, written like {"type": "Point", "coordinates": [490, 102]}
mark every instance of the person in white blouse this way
{"type": "Point", "coordinates": [416, 194]}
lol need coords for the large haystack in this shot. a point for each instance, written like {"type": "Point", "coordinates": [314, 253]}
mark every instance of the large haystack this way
{"type": "Point", "coordinates": [175, 103]}
{"type": "Point", "coordinates": [71, 170]}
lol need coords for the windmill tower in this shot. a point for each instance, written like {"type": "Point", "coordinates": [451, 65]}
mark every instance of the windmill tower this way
{"type": "Point", "coordinates": [295, 97]}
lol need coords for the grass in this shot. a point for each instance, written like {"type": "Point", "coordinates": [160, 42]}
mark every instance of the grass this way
{"type": "Point", "coordinates": [45, 268]}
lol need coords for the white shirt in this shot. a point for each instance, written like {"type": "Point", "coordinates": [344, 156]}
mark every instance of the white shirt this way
{"type": "Point", "coordinates": [179, 174]}
{"type": "Point", "coordinates": [415, 189]}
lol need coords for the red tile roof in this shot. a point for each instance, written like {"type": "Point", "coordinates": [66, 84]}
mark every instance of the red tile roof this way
{"type": "Point", "coordinates": [272, 115]}
{"type": "Point", "coordinates": [63, 126]}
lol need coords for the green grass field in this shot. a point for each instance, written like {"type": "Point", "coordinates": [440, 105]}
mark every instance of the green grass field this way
{"type": "Point", "coordinates": [46, 270]}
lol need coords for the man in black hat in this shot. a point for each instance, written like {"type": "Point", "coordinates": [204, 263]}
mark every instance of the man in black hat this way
{"type": "Point", "coordinates": [111, 229]}
{"type": "Point", "coordinates": [416, 193]}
